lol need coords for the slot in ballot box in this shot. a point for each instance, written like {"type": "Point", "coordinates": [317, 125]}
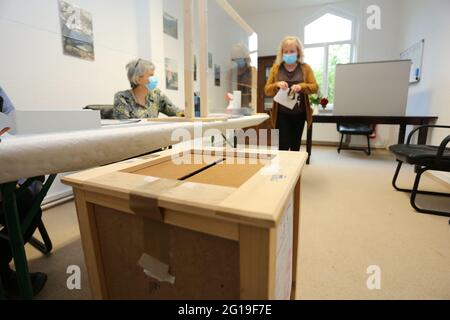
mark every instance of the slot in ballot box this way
{"type": "Point", "coordinates": [196, 224]}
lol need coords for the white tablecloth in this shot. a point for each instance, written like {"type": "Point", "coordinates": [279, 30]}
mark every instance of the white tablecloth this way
{"type": "Point", "coordinates": [34, 155]}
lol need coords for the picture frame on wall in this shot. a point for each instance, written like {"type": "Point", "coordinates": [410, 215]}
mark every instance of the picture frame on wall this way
{"type": "Point", "coordinates": [210, 60]}
{"type": "Point", "coordinates": [171, 74]}
{"type": "Point", "coordinates": [76, 31]}
{"type": "Point", "coordinates": [170, 25]}
{"type": "Point", "coordinates": [217, 75]}
{"type": "Point", "coordinates": [195, 68]}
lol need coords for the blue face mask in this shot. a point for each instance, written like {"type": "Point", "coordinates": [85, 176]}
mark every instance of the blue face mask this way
{"type": "Point", "coordinates": [153, 84]}
{"type": "Point", "coordinates": [240, 62]}
{"type": "Point", "coordinates": [290, 58]}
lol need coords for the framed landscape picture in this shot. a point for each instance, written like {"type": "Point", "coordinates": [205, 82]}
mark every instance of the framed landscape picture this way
{"type": "Point", "coordinates": [171, 74]}
{"type": "Point", "coordinates": [170, 25]}
{"type": "Point", "coordinates": [77, 31]}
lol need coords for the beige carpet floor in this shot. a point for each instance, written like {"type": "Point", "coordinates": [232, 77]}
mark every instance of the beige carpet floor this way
{"type": "Point", "coordinates": [351, 219]}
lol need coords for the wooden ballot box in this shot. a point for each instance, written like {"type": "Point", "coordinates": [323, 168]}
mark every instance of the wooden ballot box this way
{"type": "Point", "coordinates": [192, 224]}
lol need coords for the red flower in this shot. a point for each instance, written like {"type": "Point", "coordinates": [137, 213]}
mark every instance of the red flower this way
{"type": "Point", "coordinates": [324, 101]}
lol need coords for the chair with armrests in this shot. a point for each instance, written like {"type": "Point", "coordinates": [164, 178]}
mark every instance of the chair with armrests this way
{"type": "Point", "coordinates": [36, 184]}
{"type": "Point", "coordinates": [45, 246]}
{"type": "Point", "coordinates": [106, 110]}
{"type": "Point", "coordinates": [355, 129]}
{"type": "Point", "coordinates": [424, 158]}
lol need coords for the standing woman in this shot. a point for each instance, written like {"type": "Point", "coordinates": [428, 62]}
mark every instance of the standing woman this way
{"type": "Point", "coordinates": [290, 72]}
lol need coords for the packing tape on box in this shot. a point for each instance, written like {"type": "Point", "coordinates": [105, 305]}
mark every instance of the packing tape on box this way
{"type": "Point", "coordinates": [155, 269]}
{"type": "Point", "coordinates": [144, 200]}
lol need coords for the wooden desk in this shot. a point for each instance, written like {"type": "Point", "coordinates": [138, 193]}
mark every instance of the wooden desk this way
{"type": "Point", "coordinates": [401, 121]}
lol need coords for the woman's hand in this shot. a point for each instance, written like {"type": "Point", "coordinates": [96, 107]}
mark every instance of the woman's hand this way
{"type": "Point", "coordinates": [4, 130]}
{"type": "Point", "coordinates": [296, 88]}
{"type": "Point", "coordinates": [282, 85]}
{"type": "Point", "coordinates": [228, 97]}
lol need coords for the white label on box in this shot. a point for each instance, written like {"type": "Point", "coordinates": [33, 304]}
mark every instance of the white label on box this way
{"type": "Point", "coordinates": [285, 236]}
{"type": "Point", "coordinates": [151, 179]}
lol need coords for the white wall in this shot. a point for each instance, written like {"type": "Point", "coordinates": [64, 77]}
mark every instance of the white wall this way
{"type": "Point", "coordinates": [376, 45]}
{"type": "Point", "coordinates": [37, 75]}
{"type": "Point", "coordinates": [429, 20]}
{"type": "Point", "coordinates": [431, 95]}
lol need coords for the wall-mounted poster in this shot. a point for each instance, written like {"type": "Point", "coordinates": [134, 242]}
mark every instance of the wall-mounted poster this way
{"type": "Point", "coordinates": [217, 75]}
{"type": "Point", "coordinates": [171, 74]}
{"type": "Point", "coordinates": [195, 68]}
{"type": "Point", "coordinates": [210, 60]}
{"type": "Point", "coordinates": [415, 54]}
{"type": "Point", "coordinates": [170, 26]}
{"type": "Point", "coordinates": [77, 31]}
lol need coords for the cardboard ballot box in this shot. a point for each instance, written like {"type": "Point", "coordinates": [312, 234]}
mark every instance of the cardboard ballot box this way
{"type": "Point", "coordinates": [192, 225]}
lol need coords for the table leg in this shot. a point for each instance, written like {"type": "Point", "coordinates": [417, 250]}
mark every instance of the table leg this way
{"type": "Point", "coordinates": [12, 222]}
{"type": "Point", "coordinates": [309, 143]}
{"type": "Point", "coordinates": [2, 291]}
{"type": "Point", "coordinates": [402, 134]}
{"type": "Point", "coordinates": [423, 134]}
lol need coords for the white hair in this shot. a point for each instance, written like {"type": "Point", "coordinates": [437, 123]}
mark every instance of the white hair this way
{"type": "Point", "coordinates": [137, 68]}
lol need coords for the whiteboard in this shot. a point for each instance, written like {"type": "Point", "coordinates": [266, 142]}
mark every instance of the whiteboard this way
{"type": "Point", "coordinates": [372, 88]}
{"type": "Point", "coordinates": [415, 54]}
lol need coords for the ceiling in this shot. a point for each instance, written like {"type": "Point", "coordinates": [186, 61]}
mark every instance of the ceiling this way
{"type": "Point", "coordinates": [252, 7]}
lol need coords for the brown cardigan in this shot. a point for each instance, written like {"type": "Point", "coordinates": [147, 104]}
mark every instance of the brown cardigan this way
{"type": "Point", "coordinates": [308, 87]}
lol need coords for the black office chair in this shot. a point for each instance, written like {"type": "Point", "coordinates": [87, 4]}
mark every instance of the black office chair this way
{"type": "Point", "coordinates": [424, 158]}
{"type": "Point", "coordinates": [106, 110]}
{"type": "Point", "coordinates": [45, 246]}
{"type": "Point", "coordinates": [355, 129]}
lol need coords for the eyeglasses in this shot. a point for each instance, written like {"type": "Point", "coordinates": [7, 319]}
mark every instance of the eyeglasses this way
{"type": "Point", "coordinates": [139, 60]}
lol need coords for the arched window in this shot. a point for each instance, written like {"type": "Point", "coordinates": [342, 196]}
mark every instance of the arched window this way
{"type": "Point", "coordinates": [329, 40]}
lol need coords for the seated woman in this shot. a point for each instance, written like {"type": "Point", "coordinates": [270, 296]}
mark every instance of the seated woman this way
{"type": "Point", "coordinates": [144, 99]}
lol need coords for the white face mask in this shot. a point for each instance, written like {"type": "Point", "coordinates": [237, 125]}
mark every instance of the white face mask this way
{"type": "Point", "coordinates": [290, 58]}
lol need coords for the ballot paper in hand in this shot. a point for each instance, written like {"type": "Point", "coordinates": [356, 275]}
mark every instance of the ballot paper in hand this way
{"type": "Point", "coordinates": [284, 98]}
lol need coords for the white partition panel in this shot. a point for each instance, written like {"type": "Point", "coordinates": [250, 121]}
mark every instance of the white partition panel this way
{"type": "Point", "coordinates": [372, 89]}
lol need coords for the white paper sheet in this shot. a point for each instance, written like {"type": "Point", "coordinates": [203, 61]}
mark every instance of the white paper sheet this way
{"type": "Point", "coordinates": [283, 99]}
